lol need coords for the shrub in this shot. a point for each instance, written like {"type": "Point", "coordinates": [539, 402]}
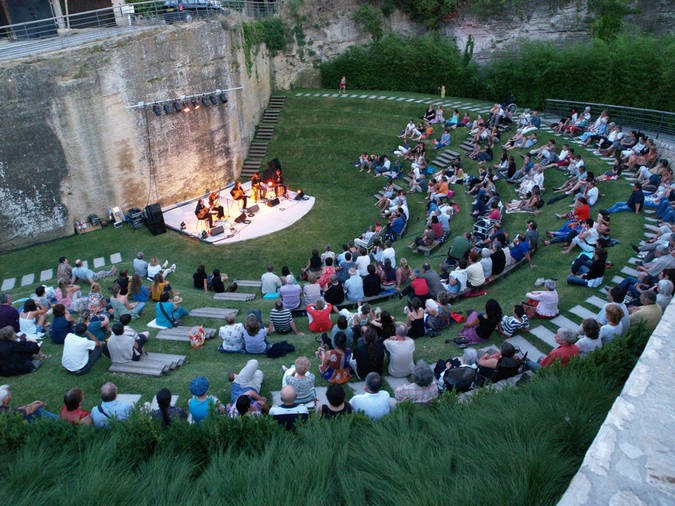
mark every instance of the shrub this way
{"type": "Point", "coordinates": [369, 18]}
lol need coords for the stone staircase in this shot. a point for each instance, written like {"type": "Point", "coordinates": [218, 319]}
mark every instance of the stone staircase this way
{"type": "Point", "coordinates": [263, 135]}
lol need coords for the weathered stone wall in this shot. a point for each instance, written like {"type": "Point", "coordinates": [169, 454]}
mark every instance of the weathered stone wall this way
{"type": "Point", "coordinates": [70, 146]}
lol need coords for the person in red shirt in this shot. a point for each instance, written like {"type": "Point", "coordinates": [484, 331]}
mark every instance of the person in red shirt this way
{"type": "Point", "coordinates": [418, 287]}
{"type": "Point", "coordinates": [566, 349]}
{"type": "Point", "coordinates": [575, 219]}
{"type": "Point", "coordinates": [318, 315]}
{"type": "Point", "coordinates": [72, 408]}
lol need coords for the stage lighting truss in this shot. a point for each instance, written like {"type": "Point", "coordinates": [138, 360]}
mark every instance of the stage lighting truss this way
{"type": "Point", "coordinates": [187, 103]}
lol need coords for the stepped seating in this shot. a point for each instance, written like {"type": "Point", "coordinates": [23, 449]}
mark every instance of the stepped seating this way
{"type": "Point", "coordinates": [263, 135]}
{"type": "Point", "coordinates": [182, 333]}
{"type": "Point", "coordinates": [214, 312]}
{"type": "Point", "coordinates": [153, 364]}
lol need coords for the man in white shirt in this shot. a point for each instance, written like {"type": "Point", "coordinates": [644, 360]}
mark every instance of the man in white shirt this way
{"type": "Point", "coordinates": [79, 353]}
{"type": "Point", "coordinates": [270, 281]}
{"type": "Point", "coordinates": [289, 412]}
{"type": "Point", "coordinates": [375, 403]}
{"type": "Point", "coordinates": [390, 253]}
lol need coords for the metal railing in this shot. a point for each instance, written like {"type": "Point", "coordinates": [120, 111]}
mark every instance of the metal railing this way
{"type": "Point", "coordinates": [59, 32]}
{"type": "Point", "coordinates": [651, 121]}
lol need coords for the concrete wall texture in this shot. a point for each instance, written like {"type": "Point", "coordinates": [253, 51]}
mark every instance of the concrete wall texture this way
{"type": "Point", "coordinates": [71, 147]}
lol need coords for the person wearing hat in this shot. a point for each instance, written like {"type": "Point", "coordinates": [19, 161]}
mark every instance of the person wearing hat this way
{"type": "Point", "coordinates": [201, 403]}
{"type": "Point", "coordinates": [81, 350]}
{"type": "Point", "coordinates": [168, 311]}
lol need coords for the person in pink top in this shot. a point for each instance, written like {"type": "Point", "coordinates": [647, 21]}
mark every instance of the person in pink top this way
{"type": "Point", "coordinates": [542, 304]}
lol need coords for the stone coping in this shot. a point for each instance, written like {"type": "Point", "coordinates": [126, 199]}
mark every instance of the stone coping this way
{"type": "Point", "coordinates": [632, 458]}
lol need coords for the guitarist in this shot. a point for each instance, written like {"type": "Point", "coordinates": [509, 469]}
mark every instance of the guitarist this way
{"type": "Point", "coordinates": [202, 212]}
{"type": "Point", "coordinates": [238, 193]}
{"type": "Point", "coordinates": [214, 204]}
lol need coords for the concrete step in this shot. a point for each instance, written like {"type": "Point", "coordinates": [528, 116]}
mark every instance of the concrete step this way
{"type": "Point", "coordinates": [27, 279]}
{"type": "Point", "coordinates": [525, 346]}
{"type": "Point", "coordinates": [545, 335]}
{"type": "Point", "coordinates": [582, 312]}
{"type": "Point", "coordinates": [617, 279]}
{"type": "Point", "coordinates": [630, 271]}
{"type": "Point", "coordinates": [214, 312]}
{"type": "Point", "coordinates": [46, 275]}
{"type": "Point", "coordinates": [8, 284]}
{"type": "Point", "coordinates": [596, 301]}
{"type": "Point", "coordinates": [563, 321]}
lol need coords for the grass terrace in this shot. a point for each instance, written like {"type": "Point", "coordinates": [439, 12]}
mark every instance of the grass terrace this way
{"type": "Point", "coordinates": [520, 446]}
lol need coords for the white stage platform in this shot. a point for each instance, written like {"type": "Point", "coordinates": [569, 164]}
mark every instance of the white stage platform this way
{"type": "Point", "coordinates": [266, 220]}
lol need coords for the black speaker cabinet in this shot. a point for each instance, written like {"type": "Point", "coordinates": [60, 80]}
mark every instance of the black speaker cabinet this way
{"type": "Point", "coordinates": [273, 202]}
{"type": "Point", "coordinates": [274, 164]}
{"type": "Point", "coordinates": [217, 230]}
{"type": "Point", "coordinates": [253, 209]}
{"type": "Point", "coordinates": [155, 219]}
{"type": "Point", "coordinates": [241, 218]}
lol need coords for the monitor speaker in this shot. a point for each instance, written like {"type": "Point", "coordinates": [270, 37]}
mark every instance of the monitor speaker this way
{"type": "Point", "coordinates": [241, 218]}
{"type": "Point", "coordinates": [217, 230]}
{"type": "Point", "coordinates": [274, 164]}
{"type": "Point", "coordinates": [155, 219]}
{"type": "Point", "coordinates": [273, 202]}
{"type": "Point", "coordinates": [253, 209]}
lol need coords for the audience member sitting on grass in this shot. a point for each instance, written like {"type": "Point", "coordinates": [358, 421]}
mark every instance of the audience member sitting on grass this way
{"type": "Point", "coordinates": [30, 412]}
{"type": "Point", "coordinates": [501, 365]}
{"type": "Point", "coordinates": [270, 283]}
{"type": "Point", "coordinates": [255, 336]}
{"type": "Point", "coordinates": [281, 320]}
{"type": "Point", "coordinates": [72, 411]}
{"type": "Point", "coordinates": [566, 339]}
{"type": "Point", "coordinates": [371, 282]}
{"type": "Point", "coordinates": [479, 326]}
{"type": "Point", "coordinates": [217, 282]}
{"type": "Point", "coordinates": [289, 412]}
{"type": "Point", "coordinates": [423, 388]}
{"type": "Point", "coordinates": [62, 323]}
{"type": "Point", "coordinates": [336, 407]}
{"type": "Point", "coordinates": [155, 268]}
{"type": "Point", "coordinates": [587, 270]}
{"type": "Point", "coordinates": [97, 325]}
{"type": "Point", "coordinates": [166, 413]}
{"type": "Point", "coordinates": [290, 294]}
{"type": "Point", "coordinates": [159, 286]}
{"type": "Point", "coordinates": [335, 293]}
{"type": "Point", "coordinates": [81, 350]}
{"type": "Point", "coordinates": [457, 279]}
{"type": "Point", "coordinates": [403, 273]}
{"type": "Point", "coordinates": [85, 274]}
{"type": "Point", "coordinates": [97, 303]}
{"type": "Point", "coordinates": [248, 382]}
{"type": "Point", "coordinates": [375, 403]}
{"type": "Point", "coordinates": [300, 378]}
{"type": "Point", "coordinates": [311, 292]}
{"type": "Point", "coordinates": [612, 315]}
{"type": "Point", "coordinates": [121, 305]}
{"type": "Point", "coordinates": [589, 340]}
{"type": "Point", "coordinates": [542, 304]}
{"type": "Point", "coordinates": [334, 366]}
{"type": "Point", "coordinates": [318, 315]}
{"type": "Point", "coordinates": [168, 312]}
{"type": "Point", "coordinates": [634, 203]}
{"type": "Point", "coordinates": [110, 408]}
{"type": "Point", "coordinates": [232, 335]}
{"type": "Point", "coordinates": [140, 265]}
{"type": "Point", "coordinates": [439, 314]}
{"type": "Point", "coordinates": [512, 324]}
{"type": "Point", "coordinates": [202, 404]}
{"type": "Point", "coordinates": [17, 354]}
{"type": "Point", "coordinates": [137, 289]}
{"type": "Point", "coordinates": [32, 320]}
{"type": "Point", "coordinates": [418, 287]}
{"type": "Point", "coordinates": [64, 271]}
{"type": "Point", "coordinates": [648, 314]}
{"type": "Point", "coordinates": [664, 295]}
{"type": "Point", "coordinates": [354, 286]}
{"type": "Point", "coordinates": [415, 318]}
{"type": "Point", "coordinates": [70, 296]}
{"type": "Point", "coordinates": [400, 349]}
{"type": "Point", "coordinates": [123, 348]}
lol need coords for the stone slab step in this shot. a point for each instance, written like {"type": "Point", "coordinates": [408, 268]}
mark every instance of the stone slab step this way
{"type": "Point", "coordinates": [140, 367]}
{"type": "Point", "coordinates": [241, 297]}
{"type": "Point", "coordinates": [181, 333]}
{"type": "Point", "coordinates": [394, 383]}
{"type": "Point", "coordinates": [214, 312]}
{"type": "Point", "coordinates": [8, 284]}
{"type": "Point", "coordinates": [563, 321]}
{"type": "Point", "coordinates": [130, 398]}
{"type": "Point", "coordinates": [249, 282]}
{"type": "Point", "coordinates": [649, 235]}
{"type": "Point", "coordinates": [596, 301]}
{"type": "Point", "coordinates": [652, 220]}
{"type": "Point", "coordinates": [525, 346]}
{"type": "Point", "coordinates": [582, 312]}
{"type": "Point", "coordinates": [46, 275]}
{"type": "Point", "coordinates": [634, 261]}
{"type": "Point", "coordinates": [545, 335]}
{"type": "Point", "coordinates": [116, 258]}
{"type": "Point", "coordinates": [650, 211]}
{"type": "Point", "coordinates": [617, 279]}
{"type": "Point", "coordinates": [171, 357]}
{"type": "Point", "coordinates": [357, 386]}
{"type": "Point", "coordinates": [27, 279]}
{"type": "Point", "coordinates": [154, 406]}
{"type": "Point", "coordinates": [629, 271]}
{"type": "Point", "coordinates": [99, 262]}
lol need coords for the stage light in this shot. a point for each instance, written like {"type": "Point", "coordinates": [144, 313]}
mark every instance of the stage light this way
{"type": "Point", "coordinates": [195, 105]}
{"type": "Point", "coordinates": [205, 102]}
{"type": "Point", "coordinates": [176, 105]}
{"type": "Point", "coordinates": [223, 98]}
{"type": "Point", "coordinates": [157, 110]}
{"type": "Point", "coordinates": [167, 109]}
{"type": "Point", "coordinates": [214, 100]}
{"type": "Point", "coordinates": [182, 226]}
{"type": "Point", "coordinates": [186, 107]}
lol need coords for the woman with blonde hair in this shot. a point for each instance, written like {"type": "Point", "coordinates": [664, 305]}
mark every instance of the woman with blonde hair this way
{"type": "Point", "coordinates": [299, 376]}
{"type": "Point", "coordinates": [155, 268]}
{"type": "Point", "coordinates": [159, 286]}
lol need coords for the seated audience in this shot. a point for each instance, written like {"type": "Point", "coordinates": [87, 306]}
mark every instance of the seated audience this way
{"type": "Point", "coordinates": [648, 314]}
{"type": "Point", "coordinates": [511, 325]}
{"type": "Point", "coordinates": [566, 339]}
{"type": "Point", "coordinates": [201, 403]}
{"type": "Point", "coordinates": [542, 304]}
{"type": "Point", "coordinates": [270, 283]}
{"type": "Point", "coordinates": [155, 268]}
{"type": "Point", "coordinates": [479, 326]}
{"type": "Point", "coordinates": [300, 378]}
{"type": "Point", "coordinates": [30, 412]}
{"type": "Point", "coordinates": [81, 272]}
{"type": "Point", "coordinates": [281, 320]}
{"type": "Point", "coordinates": [334, 366]}
{"type": "Point", "coordinates": [81, 350]}
{"type": "Point", "coordinates": [589, 341]}
{"type": "Point", "coordinates": [290, 294]}
{"type": "Point", "coordinates": [375, 403]}
{"type": "Point", "coordinates": [318, 315]}
{"type": "Point", "coordinates": [123, 347]}
{"type": "Point", "coordinates": [72, 411]}
{"type": "Point", "coordinates": [248, 383]}
{"type": "Point", "coordinates": [168, 312]}
{"type": "Point", "coordinates": [335, 395]}
{"type": "Point", "coordinates": [423, 388]}
{"type": "Point", "coordinates": [289, 411]}
{"type": "Point", "coordinates": [110, 408]}
{"type": "Point", "coordinates": [166, 413]}
{"type": "Point", "coordinates": [401, 349]}
{"type": "Point", "coordinates": [17, 355]}
{"type": "Point", "coordinates": [255, 336]}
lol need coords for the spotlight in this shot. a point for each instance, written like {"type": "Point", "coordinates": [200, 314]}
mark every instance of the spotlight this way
{"type": "Point", "coordinates": [157, 110]}
{"type": "Point", "coordinates": [167, 109]}
{"type": "Point", "coordinates": [213, 100]}
{"type": "Point", "coordinates": [182, 226]}
{"type": "Point", "coordinates": [177, 106]}
{"type": "Point", "coordinates": [186, 107]}
{"type": "Point", "coordinates": [205, 102]}
{"type": "Point", "coordinates": [195, 105]}
{"type": "Point", "coordinates": [223, 98]}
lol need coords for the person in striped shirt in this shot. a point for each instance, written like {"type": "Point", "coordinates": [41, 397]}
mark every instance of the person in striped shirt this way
{"type": "Point", "coordinates": [281, 320]}
{"type": "Point", "coordinates": [512, 324]}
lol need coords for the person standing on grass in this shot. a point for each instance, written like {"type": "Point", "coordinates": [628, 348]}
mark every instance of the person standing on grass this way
{"type": "Point", "coordinates": [343, 85]}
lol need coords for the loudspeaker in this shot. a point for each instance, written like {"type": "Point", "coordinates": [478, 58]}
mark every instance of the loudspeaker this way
{"type": "Point", "coordinates": [300, 195]}
{"type": "Point", "coordinates": [241, 218]}
{"type": "Point", "coordinates": [155, 219]}
{"type": "Point", "coordinates": [274, 164]}
{"type": "Point", "coordinates": [253, 209]}
{"type": "Point", "coordinates": [273, 202]}
{"type": "Point", "coordinates": [217, 230]}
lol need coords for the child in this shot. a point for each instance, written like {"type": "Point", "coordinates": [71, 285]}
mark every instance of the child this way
{"type": "Point", "coordinates": [512, 324]}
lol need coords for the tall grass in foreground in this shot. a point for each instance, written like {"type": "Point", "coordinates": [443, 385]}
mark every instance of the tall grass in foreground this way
{"type": "Point", "coordinates": [518, 446]}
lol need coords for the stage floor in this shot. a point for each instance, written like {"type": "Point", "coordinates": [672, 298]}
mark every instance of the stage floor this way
{"type": "Point", "coordinates": [266, 220]}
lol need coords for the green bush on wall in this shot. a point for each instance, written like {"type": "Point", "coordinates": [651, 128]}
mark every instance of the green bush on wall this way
{"type": "Point", "coordinates": [631, 71]}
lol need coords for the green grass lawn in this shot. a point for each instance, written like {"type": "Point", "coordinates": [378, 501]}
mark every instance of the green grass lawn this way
{"type": "Point", "coordinates": [317, 141]}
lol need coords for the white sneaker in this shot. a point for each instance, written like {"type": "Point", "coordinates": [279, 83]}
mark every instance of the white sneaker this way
{"type": "Point", "coordinates": [166, 262]}
{"type": "Point", "coordinates": [173, 267]}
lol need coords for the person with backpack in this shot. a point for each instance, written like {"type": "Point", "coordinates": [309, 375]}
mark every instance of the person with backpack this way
{"type": "Point", "coordinates": [501, 365]}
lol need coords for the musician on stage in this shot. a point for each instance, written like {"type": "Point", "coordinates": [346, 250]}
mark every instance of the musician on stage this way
{"type": "Point", "coordinates": [256, 187]}
{"type": "Point", "coordinates": [238, 193]}
{"type": "Point", "coordinates": [278, 180]}
{"type": "Point", "coordinates": [202, 212]}
{"type": "Point", "coordinates": [214, 204]}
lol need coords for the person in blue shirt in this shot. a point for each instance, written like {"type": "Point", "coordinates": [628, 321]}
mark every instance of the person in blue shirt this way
{"type": "Point", "coordinates": [520, 249]}
{"type": "Point", "coordinates": [169, 311]}
{"type": "Point", "coordinates": [110, 408]}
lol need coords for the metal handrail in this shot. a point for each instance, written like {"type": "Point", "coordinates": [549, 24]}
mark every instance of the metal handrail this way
{"type": "Point", "coordinates": [653, 121]}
